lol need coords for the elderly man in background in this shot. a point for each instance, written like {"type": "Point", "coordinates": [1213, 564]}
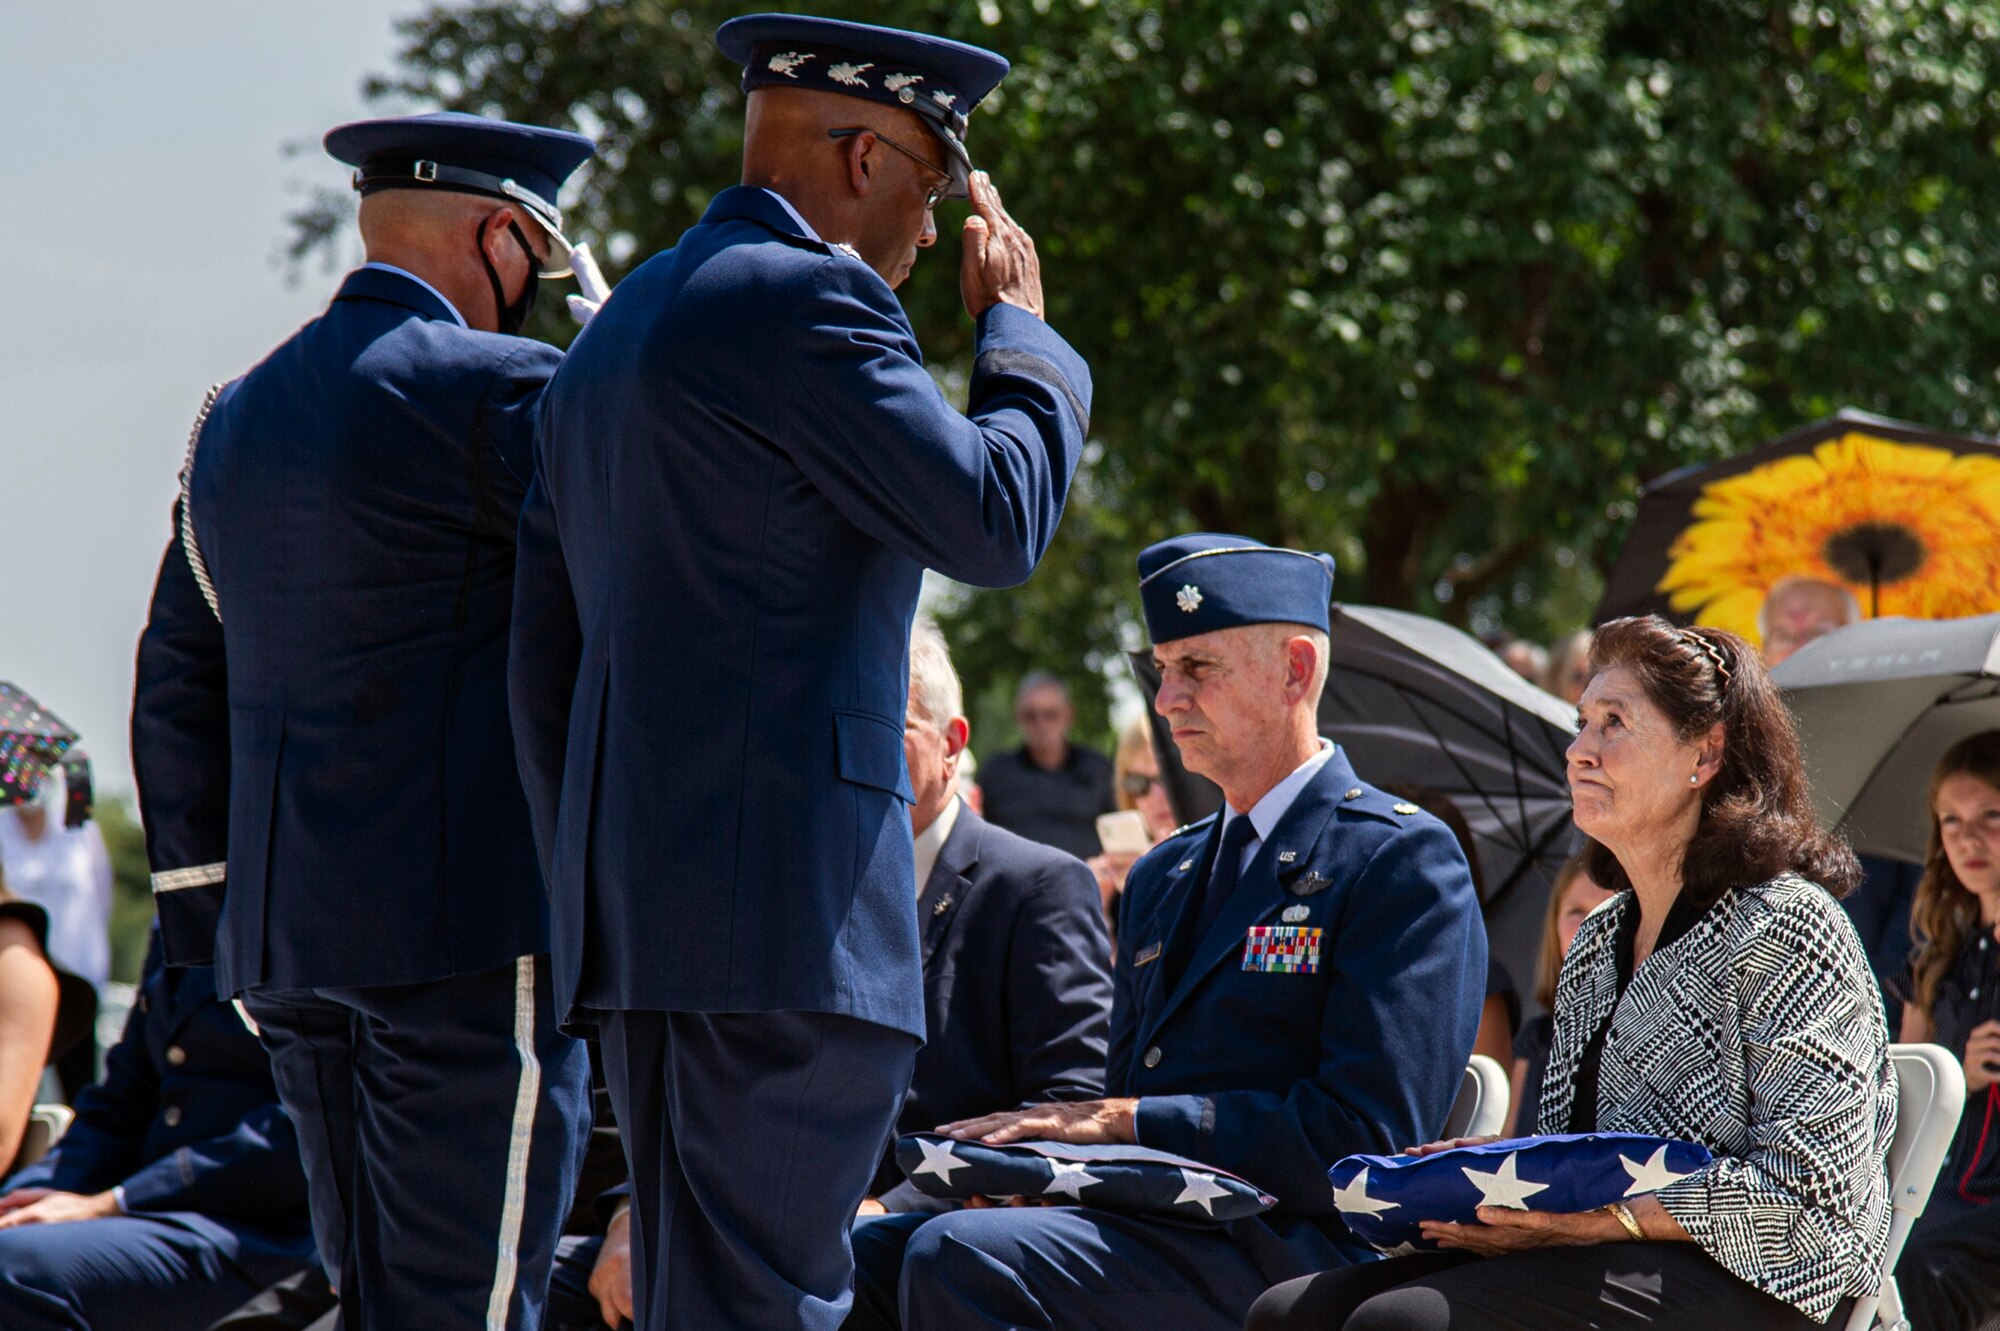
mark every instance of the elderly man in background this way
{"type": "Point", "coordinates": [1051, 789]}
{"type": "Point", "coordinates": [1799, 609]}
{"type": "Point", "coordinates": [1298, 979]}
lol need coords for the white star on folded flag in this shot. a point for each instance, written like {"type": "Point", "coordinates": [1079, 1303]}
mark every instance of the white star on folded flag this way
{"type": "Point", "coordinates": [1403, 1249]}
{"type": "Point", "coordinates": [938, 1160]}
{"type": "Point", "coordinates": [1069, 1176]}
{"type": "Point", "coordinates": [1503, 1187]}
{"type": "Point", "coordinates": [1651, 1176]}
{"type": "Point", "coordinates": [1354, 1199]}
{"type": "Point", "coordinates": [1201, 1189]}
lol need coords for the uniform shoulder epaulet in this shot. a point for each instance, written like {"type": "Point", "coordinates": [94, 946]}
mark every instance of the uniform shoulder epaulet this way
{"type": "Point", "coordinates": [1369, 800]}
{"type": "Point", "coordinates": [1185, 828]}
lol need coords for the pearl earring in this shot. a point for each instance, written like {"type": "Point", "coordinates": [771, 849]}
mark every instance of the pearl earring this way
{"type": "Point", "coordinates": [1695, 780]}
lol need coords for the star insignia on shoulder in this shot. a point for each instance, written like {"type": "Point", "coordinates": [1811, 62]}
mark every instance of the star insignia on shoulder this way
{"type": "Point", "coordinates": [787, 62]}
{"type": "Point", "coordinates": [1406, 808]}
{"type": "Point", "coordinates": [849, 73]}
{"type": "Point", "coordinates": [1353, 793]}
{"type": "Point", "coordinates": [842, 247]}
{"type": "Point", "coordinates": [1188, 598]}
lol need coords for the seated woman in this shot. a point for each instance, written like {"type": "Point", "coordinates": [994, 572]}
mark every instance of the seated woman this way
{"type": "Point", "coordinates": [1950, 1270]}
{"type": "Point", "coordinates": [1574, 896]}
{"type": "Point", "coordinates": [1723, 998]}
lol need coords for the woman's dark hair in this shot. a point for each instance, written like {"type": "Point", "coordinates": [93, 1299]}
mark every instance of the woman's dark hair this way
{"type": "Point", "coordinates": [1757, 819]}
{"type": "Point", "coordinates": [1945, 913]}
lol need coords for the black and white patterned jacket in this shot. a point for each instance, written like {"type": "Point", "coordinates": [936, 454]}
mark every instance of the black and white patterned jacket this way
{"type": "Point", "coordinates": [1759, 1034]}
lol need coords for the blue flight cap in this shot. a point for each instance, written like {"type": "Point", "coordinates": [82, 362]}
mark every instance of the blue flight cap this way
{"type": "Point", "coordinates": [468, 154]}
{"type": "Point", "coordinates": [941, 80]}
{"type": "Point", "coordinates": [1211, 580]}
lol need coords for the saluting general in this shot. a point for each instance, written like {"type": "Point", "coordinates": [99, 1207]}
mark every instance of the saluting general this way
{"type": "Point", "coordinates": [742, 472]}
{"type": "Point", "coordinates": [322, 743]}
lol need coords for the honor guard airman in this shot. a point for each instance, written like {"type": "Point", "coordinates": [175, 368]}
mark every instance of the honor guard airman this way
{"type": "Point", "coordinates": [1298, 979]}
{"type": "Point", "coordinates": [743, 471]}
{"type": "Point", "coordinates": [321, 736]}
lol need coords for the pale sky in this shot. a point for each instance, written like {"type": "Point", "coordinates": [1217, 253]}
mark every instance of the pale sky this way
{"type": "Point", "coordinates": [147, 188]}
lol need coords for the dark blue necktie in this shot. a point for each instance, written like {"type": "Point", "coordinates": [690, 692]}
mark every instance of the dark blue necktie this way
{"type": "Point", "coordinates": [1218, 887]}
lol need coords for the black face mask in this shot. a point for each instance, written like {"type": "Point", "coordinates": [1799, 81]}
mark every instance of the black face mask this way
{"type": "Point", "coordinates": [513, 318]}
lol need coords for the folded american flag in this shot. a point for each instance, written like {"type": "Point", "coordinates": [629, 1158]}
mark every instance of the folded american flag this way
{"type": "Point", "coordinates": [1383, 1198]}
{"type": "Point", "coordinates": [1133, 1179]}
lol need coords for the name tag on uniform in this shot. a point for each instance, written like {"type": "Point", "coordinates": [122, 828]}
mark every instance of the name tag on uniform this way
{"type": "Point", "coordinates": [1150, 952]}
{"type": "Point", "coordinates": [1282, 950]}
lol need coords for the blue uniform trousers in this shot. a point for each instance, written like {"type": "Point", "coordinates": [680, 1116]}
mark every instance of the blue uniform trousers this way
{"type": "Point", "coordinates": [442, 1127]}
{"type": "Point", "coordinates": [1076, 1268]}
{"type": "Point", "coordinates": [121, 1273]}
{"type": "Point", "coordinates": [752, 1138]}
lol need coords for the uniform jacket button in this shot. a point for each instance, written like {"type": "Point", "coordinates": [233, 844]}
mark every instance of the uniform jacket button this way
{"type": "Point", "coordinates": [171, 1116]}
{"type": "Point", "coordinates": [176, 1055]}
{"type": "Point", "coordinates": [1152, 1057]}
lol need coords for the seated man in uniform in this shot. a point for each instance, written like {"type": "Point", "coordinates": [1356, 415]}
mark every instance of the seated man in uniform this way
{"type": "Point", "coordinates": [176, 1194]}
{"type": "Point", "coordinates": [1017, 995]}
{"type": "Point", "coordinates": [1271, 1070]}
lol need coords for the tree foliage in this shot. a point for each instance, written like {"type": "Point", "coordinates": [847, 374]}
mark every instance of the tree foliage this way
{"type": "Point", "coordinates": [1433, 286]}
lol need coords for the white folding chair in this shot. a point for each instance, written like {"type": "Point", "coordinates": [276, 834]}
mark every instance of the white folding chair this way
{"type": "Point", "coordinates": [1483, 1100]}
{"type": "Point", "coordinates": [46, 1125]}
{"type": "Point", "coordinates": [1930, 1095]}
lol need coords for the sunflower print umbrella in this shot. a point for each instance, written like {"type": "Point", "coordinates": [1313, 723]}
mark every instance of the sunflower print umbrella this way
{"type": "Point", "coordinates": [1906, 519]}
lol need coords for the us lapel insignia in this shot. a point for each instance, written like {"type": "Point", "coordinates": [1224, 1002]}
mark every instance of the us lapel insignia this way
{"type": "Point", "coordinates": [1295, 914]}
{"type": "Point", "coordinates": [1184, 866]}
{"type": "Point", "coordinates": [1287, 856]}
{"type": "Point", "coordinates": [1308, 883]}
{"type": "Point", "coordinates": [943, 905]}
{"type": "Point", "coordinates": [1150, 952]}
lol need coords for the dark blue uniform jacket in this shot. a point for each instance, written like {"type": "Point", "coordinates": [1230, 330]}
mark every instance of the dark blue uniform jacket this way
{"type": "Point", "coordinates": [743, 470]}
{"type": "Point", "coordinates": [187, 1121]}
{"type": "Point", "coordinates": [1276, 1076]}
{"type": "Point", "coordinates": [341, 740]}
{"type": "Point", "coordinates": [1017, 983]}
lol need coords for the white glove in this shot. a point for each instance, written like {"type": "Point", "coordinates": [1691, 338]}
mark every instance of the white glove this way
{"type": "Point", "coordinates": [593, 291]}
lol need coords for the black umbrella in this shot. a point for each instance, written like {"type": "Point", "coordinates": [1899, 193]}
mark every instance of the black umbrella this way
{"type": "Point", "coordinates": [1906, 518]}
{"type": "Point", "coordinates": [33, 740]}
{"type": "Point", "coordinates": [1877, 705]}
{"type": "Point", "coordinates": [1415, 701]}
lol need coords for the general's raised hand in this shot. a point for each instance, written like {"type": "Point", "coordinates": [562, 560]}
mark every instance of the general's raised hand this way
{"type": "Point", "coordinates": [999, 263]}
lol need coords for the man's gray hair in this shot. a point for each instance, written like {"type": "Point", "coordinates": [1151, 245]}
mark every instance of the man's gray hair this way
{"type": "Point", "coordinates": [933, 683]}
{"type": "Point", "coordinates": [1040, 679]}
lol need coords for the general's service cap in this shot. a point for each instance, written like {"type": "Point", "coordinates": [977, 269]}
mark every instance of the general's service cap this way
{"type": "Point", "coordinates": [941, 80]}
{"type": "Point", "coordinates": [468, 154]}
{"type": "Point", "coordinates": [1211, 580]}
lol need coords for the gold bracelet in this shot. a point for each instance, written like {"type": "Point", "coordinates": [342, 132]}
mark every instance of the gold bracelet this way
{"type": "Point", "coordinates": [1623, 1215]}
